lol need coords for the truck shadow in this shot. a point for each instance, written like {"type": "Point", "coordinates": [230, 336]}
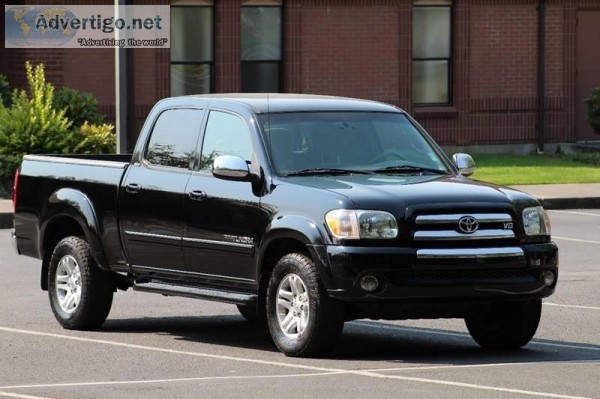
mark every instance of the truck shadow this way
{"type": "Point", "coordinates": [360, 341]}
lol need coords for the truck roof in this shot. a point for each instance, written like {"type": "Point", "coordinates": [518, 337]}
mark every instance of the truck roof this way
{"type": "Point", "coordinates": [282, 102]}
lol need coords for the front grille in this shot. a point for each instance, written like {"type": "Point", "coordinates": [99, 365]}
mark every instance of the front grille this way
{"type": "Point", "coordinates": [473, 229]}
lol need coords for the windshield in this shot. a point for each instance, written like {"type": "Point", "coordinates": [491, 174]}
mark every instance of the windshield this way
{"type": "Point", "coordinates": [355, 142]}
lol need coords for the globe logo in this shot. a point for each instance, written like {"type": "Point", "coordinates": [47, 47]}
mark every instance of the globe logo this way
{"type": "Point", "coordinates": [32, 27]}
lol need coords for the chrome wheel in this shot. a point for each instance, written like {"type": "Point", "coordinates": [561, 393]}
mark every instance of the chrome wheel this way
{"type": "Point", "coordinates": [68, 284]}
{"type": "Point", "coordinates": [293, 308]}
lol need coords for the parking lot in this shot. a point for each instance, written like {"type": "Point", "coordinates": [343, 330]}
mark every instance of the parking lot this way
{"type": "Point", "coordinates": [164, 347]}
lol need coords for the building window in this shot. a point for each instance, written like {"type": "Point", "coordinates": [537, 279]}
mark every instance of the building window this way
{"type": "Point", "coordinates": [191, 49]}
{"type": "Point", "coordinates": [432, 52]}
{"type": "Point", "coordinates": [261, 46]}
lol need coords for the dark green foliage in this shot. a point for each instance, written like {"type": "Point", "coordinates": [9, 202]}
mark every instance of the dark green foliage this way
{"type": "Point", "coordinates": [5, 92]}
{"type": "Point", "coordinates": [592, 158]}
{"type": "Point", "coordinates": [79, 107]}
{"type": "Point", "coordinates": [593, 109]}
{"type": "Point", "coordinates": [8, 166]}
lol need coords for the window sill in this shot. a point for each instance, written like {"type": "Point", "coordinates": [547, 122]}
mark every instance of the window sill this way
{"type": "Point", "coordinates": [435, 112]}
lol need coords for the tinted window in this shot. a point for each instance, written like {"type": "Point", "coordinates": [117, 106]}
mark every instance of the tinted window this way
{"type": "Point", "coordinates": [174, 138]}
{"type": "Point", "coordinates": [226, 134]}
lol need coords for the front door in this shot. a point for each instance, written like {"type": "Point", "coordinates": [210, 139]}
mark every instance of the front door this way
{"type": "Point", "coordinates": [223, 217]}
{"type": "Point", "coordinates": [588, 72]}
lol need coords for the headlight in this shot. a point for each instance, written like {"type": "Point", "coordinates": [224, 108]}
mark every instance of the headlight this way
{"type": "Point", "coordinates": [356, 224]}
{"type": "Point", "coordinates": [536, 221]}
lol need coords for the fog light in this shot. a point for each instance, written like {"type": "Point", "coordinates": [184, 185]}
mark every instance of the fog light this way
{"type": "Point", "coordinates": [369, 283]}
{"type": "Point", "coordinates": [549, 278]}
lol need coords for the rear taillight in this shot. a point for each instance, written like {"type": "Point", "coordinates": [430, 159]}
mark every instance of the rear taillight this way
{"type": "Point", "coordinates": [15, 187]}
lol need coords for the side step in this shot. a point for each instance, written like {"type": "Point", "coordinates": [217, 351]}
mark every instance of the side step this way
{"type": "Point", "coordinates": [195, 292]}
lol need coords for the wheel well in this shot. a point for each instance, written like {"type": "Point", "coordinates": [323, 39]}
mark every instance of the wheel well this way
{"type": "Point", "coordinates": [276, 250]}
{"type": "Point", "coordinates": [59, 228]}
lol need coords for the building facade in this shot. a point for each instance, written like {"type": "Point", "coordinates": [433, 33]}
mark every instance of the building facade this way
{"type": "Point", "coordinates": [468, 70]}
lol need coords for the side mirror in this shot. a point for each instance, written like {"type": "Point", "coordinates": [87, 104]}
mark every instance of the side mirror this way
{"type": "Point", "coordinates": [230, 167]}
{"type": "Point", "coordinates": [464, 163]}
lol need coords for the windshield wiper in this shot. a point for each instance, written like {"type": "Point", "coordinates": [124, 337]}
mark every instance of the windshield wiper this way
{"type": "Point", "coordinates": [327, 171]}
{"type": "Point", "coordinates": [410, 169]}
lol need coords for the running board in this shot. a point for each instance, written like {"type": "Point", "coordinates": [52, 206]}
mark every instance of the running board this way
{"type": "Point", "coordinates": [195, 292]}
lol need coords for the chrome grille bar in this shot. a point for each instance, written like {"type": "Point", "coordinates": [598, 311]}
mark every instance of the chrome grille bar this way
{"type": "Point", "coordinates": [455, 217]}
{"type": "Point", "coordinates": [439, 235]}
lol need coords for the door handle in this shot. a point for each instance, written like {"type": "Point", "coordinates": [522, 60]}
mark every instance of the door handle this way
{"type": "Point", "coordinates": [197, 195]}
{"type": "Point", "coordinates": [133, 188]}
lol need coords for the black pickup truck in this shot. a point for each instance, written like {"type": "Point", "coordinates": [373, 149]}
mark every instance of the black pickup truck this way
{"type": "Point", "coordinates": [306, 211]}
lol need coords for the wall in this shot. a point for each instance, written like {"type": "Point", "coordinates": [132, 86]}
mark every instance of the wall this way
{"type": "Point", "coordinates": [363, 48]}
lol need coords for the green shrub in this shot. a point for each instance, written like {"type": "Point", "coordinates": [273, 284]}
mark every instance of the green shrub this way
{"type": "Point", "coordinates": [79, 107]}
{"type": "Point", "coordinates": [593, 109]}
{"type": "Point", "coordinates": [37, 122]}
{"type": "Point", "coordinates": [96, 139]}
{"type": "Point", "coordinates": [32, 125]}
{"type": "Point", "coordinates": [5, 92]}
{"type": "Point", "coordinates": [592, 158]}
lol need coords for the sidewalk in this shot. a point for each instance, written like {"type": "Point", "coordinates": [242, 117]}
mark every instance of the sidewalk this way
{"type": "Point", "coordinates": [552, 196]}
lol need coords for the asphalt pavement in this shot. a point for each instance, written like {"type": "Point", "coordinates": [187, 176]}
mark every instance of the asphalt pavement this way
{"type": "Point", "coordinates": [552, 196]}
{"type": "Point", "coordinates": [166, 347]}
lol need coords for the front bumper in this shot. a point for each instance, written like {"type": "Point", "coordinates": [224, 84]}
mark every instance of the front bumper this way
{"type": "Point", "coordinates": [450, 274]}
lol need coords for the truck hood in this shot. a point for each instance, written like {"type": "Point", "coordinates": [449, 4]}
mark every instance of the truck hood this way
{"type": "Point", "coordinates": [385, 191]}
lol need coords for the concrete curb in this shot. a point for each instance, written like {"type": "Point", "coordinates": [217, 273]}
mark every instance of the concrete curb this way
{"type": "Point", "coordinates": [6, 218]}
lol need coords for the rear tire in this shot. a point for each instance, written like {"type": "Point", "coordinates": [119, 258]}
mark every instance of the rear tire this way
{"type": "Point", "coordinates": [80, 292]}
{"type": "Point", "coordinates": [506, 325]}
{"type": "Point", "coordinates": [303, 320]}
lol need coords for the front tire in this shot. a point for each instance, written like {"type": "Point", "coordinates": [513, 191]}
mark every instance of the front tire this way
{"type": "Point", "coordinates": [80, 292]}
{"type": "Point", "coordinates": [505, 326]}
{"type": "Point", "coordinates": [303, 320]}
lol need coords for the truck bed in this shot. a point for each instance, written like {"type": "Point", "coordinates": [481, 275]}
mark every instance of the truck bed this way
{"type": "Point", "coordinates": [47, 182]}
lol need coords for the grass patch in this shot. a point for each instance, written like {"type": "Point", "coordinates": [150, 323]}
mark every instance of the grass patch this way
{"type": "Point", "coordinates": [510, 169]}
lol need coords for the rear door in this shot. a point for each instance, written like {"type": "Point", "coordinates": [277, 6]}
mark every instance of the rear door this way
{"type": "Point", "coordinates": [152, 194]}
{"type": "Point", "coordinates": [223, 217]}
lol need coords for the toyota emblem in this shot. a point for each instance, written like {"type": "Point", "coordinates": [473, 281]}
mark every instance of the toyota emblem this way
{"type": "Point", "coordinates": [468, 224]}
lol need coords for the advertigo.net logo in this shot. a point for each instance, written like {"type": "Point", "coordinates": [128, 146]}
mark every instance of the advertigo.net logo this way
{"type": "Point", "coordinates": [101, 26]}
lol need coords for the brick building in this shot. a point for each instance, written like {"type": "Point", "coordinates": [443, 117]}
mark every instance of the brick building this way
{"type": "Point", "coordinates": [468, 70]}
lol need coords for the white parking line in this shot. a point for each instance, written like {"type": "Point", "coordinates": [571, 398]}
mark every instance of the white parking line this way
{"type": "Point", "coordinates": [299, 366]}
{"type": "Point", "coordinates": [473, 366]}
{"type": "Point", "coordinates": [170, 380]}
{"type": "Point", "coordinates": [575, 240]}
{"type": "Point", "coordinates": [572, 306]}
{"type": "Point", "coordinates": [577, 213]}
{"type": "Point", "coordinates": [365, 374]}
{"type": "Point", "coordinates": [16, 395]}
